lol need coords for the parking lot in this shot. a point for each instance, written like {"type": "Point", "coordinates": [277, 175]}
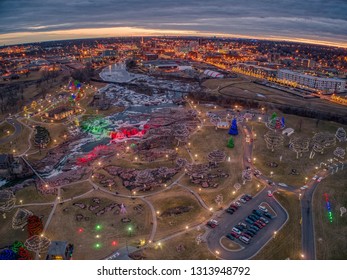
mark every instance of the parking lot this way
{"type": "Point", "coordinates": [245, 222]}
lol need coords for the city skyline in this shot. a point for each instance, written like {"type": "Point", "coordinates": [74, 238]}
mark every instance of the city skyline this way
{"type": "Point", "coordinates": [314, 21]}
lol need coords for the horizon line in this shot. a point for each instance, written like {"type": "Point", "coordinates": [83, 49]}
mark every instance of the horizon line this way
{"type": "Point", "coordinates": [84, 34]}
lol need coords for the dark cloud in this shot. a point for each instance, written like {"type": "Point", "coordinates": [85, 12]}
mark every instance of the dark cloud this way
{"type": "Point", "coordinates": [312, 19]}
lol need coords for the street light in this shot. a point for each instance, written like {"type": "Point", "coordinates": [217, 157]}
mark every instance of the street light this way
{"type": "Point", "coordinates": [271, 173]}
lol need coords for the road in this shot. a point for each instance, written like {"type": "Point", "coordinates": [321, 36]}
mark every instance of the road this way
{"type": "Point", "coordinates": [17, 130]}
{"type": "Point", "coordinates": [307, 223]}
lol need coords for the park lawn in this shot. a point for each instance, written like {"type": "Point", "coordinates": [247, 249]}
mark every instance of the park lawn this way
{"type": "Point", "coordinates": [6, 130]}
{"type": "Point", "coordinates": [305, 166]}
{"type": "Point", "coordinates": [331, 242]}
{"type": "Point", "coordinates": [202, 143]}
{"type": "Point", "coordinates": [287, 243]}
{"type": "Point", "coordinates": [169, 249]}
{"type": "Point", "coordinates": [75, 189]}
{"type": "Point", "coordinates": [64, 226]}
{"type": "Point", "coordinates": [170, 199]}
{"type": "Point", "coordinates": [30, 195]}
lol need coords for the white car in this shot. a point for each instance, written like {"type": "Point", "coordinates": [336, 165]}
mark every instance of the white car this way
{"type": "Point", "coordinates": [304, 187]}
{"type": "Point", "coordinates": [234, 229]}
{"type": "Point", "coordinates": [262, 208]}
{"type": "Point", "coordinates": [319, 179]}
{"type": "Point", "coordinates": [315, 177]}
{"type": "Point", "coordinates": [214, 222]}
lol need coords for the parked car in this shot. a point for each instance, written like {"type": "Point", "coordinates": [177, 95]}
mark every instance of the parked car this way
{"type": "Point", "coordinates": [237, 203]}
{"type": "Point", "coordinates": [230, 236]}
{"type": "Point", "coordinates": [262, 208]}
{"type": "Point", "coordinates": [257, 224]}
{"type": "Point", "coordinates": [252, 231]}
{"type": "Point", "coordinates": [230, 211]}
{"type": "Point", "coordinates": [252, 218]}
{"type": "Point", "coordinates": [264, 220]}
{"type": "Point", "coordinates": [236, 230]}
{"type": "Point", "coordinates": [243, 200]}
{"type": "Point", "coordinates": [246, 235]}
{"type": "Point", "coordinates": [244, 239]}
{"type": "Point", "coordinates": [319, 179]}
{"type": "Point", "coordinates": [234, 234]}
{"type": "Point", "coordinates": [212, 223]}
{"type": "Point", "coordinates": [249, 196]}
{"type": "Point", "coordinates": [257, 212]}
{"type": "Point", "coordinates": [268, 215]}
{"type": "Point", "coordinates": [315, 177]}
{"type": "Point", "coordinates": [248, 220]}
{"type": "Point", "coordinates": [233, 207]}
{"type": "Point", "coordinates": [249, 233]}
{"type": "Point", "coordinates": [254, 227]}
{"type": "Point", "coordinates": [262, 223]}
{"type": "Point", "coordinates": [269, 193]}
{"type": "Point", "coordinates": [239, 227]}
{"type": "Point", "coordinates": [242, 224]}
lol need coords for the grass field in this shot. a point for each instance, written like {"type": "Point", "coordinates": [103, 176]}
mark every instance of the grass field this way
{"type": "Point", "coordinates": [6, 130]}
{"type": "Point", "coordinates": [168, 200]}
{"type": "Point", "coordinates": [242, 87]}
{"type": "Point", "coordinates": [331, 242]}
{"type": "Point", "coordinates": [30, 195]}
{"type": "Point", "coordinates": [287, 242]}
{"type": "Point", "coordinates": [85, 235]}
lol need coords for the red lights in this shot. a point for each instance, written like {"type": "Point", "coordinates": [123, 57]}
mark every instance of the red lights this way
{"type": "Point", "coordinates": [114, 243]}
{"type": "Point", "coordinates": [80, 230]}
{"type": "Point", "coordinates": [128, 133]}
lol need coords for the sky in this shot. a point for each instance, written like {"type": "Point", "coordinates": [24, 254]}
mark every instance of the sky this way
{"type": "Point", "coordinates": [314, 21]}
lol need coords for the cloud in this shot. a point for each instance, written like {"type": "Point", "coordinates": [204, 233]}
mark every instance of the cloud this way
{"type": "Point", "coordinates": [311, 19]}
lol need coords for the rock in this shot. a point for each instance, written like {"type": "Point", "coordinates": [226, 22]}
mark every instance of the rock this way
{"type": "Point", "coordinates": [92, 208]}
{"type": "Point", "coordinates": [125, 220]}
{"type": "Point", "coordinates": [80, 205]}
{"type": "Point", "coordinates": [79, 217]}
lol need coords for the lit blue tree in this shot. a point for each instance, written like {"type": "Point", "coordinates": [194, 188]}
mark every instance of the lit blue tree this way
{"type": "Point", "coordinates": [233, 128]}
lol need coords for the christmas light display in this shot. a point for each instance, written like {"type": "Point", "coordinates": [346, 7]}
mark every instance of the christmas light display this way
{"type": "Point", "coordinates": [328, 205]}
{"type": "Point", "coordinates": [127, 133]}
{"type": "Point", "coordinates": [92, 155]}
{"type": "Point", "coordinates": [35, 226]}
{"type": "Point", "coordinates": [97, 126]}
{"type": "Point", "coordinates": [8, 254]}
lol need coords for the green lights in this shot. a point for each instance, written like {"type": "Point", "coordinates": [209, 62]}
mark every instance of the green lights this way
{"type": "Point", "coordinates": [98, 227]}
{"type": "Point", "coordinates": [96, 126]}
{"type": "Point", "coordinates": [97, 246]}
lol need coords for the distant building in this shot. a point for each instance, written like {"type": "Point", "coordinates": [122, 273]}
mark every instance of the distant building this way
{"type": "Point", "coordinates": [60, 113]}
{"type": "Point", "coordinates": [108, 53]}
{"type": "Point", "coordinates": [327, 85]}
{"type": "Point", "coordinates": [150, 56]}
{"type": "Point", "coordinates": [59, 250]}
{"type": "Point", "coordinates": [223, 125]}
{"type": "Point", "coordinates": [213, 74]}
